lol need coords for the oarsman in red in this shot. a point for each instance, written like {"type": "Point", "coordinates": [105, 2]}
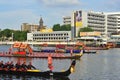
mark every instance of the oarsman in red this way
{"type": "Point", "coordinates": [50, 66]}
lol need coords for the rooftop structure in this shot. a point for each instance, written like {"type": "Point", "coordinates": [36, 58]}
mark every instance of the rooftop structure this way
{"type": "Point", "coordinates": [66, 20]}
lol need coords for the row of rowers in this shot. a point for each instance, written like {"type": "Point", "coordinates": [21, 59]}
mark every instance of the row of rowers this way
{"type": "Point", "coordinates": [18, 66]}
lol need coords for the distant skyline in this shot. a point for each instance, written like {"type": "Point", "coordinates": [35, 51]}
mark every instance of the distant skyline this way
{"type": "Point", "coordinates": [15, 12]}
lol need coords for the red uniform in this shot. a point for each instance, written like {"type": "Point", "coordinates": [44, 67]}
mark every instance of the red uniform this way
{"type": "Point", "coordinates": [50, 62]}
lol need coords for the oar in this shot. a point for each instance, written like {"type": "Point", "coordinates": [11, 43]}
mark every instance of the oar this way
{"type": "Point", "coordinates": [33, 70]}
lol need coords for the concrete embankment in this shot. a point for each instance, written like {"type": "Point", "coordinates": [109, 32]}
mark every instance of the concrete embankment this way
{"type": "Point", "coordinates": [39, 43]}
{"type": "Point", "coordinates": [5, 43]}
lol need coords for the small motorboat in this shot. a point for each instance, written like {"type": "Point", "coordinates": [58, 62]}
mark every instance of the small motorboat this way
{"type": "Point", "coordinates": [89, 52]}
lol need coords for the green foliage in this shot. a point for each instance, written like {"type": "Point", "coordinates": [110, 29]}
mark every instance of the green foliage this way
{"type": "Point", "coordinates": [57, 27]}
{"type": "Point", "coordinates": [68, 27]}
{"type": "Point", "coordinates": [17, 35]}
{"type": "Point", "coordinates": [6, 33]}
{"type": "Point", "coordinates": [20, 35]}
{"type": "Point", "coordinates": [85, 29]}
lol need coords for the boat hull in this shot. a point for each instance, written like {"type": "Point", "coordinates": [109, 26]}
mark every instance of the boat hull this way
{"type": "Point", "coordinates": [46, 75]}
{"type": "Point", "coordinates": [45, 55]}
{"type": "Point", "coordinates": [89, 52]}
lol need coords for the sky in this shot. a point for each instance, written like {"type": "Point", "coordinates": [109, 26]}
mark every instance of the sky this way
{"type": "Point", "coordinates": [15, 12]}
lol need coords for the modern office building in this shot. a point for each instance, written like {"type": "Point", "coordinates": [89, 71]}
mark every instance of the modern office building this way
{"type": "Point", "coordinates": [49, 36]}
{"type": "Point", "coordinates": [98, 21]}
{"type": "Point", "coordinates": [111, 24]}
{"type": "Point", "coordinates": [116, 14]}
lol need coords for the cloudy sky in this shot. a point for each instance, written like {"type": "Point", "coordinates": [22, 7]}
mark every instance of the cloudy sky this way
{"type": "Point", "coordinates": [15, 12]}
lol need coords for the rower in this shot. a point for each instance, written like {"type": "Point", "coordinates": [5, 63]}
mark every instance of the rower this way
{"type": "Point", "coordinates": [6, 66]}
{"type": "Point", "coordinates": [30, 66]}
{"type": "Point", "coordinates": [24, 66]}
{"type": "Point", "coordinates": [50, 66]}
{"type": "Point", "coordinates": [11, 66]}
{"type": "Point", "coordinates": [1, 65]}
{"type": "Point", "coordinates": [18, 66]}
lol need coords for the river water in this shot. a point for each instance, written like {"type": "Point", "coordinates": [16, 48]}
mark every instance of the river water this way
{"type": "Point", "coordinates": [105, 65]}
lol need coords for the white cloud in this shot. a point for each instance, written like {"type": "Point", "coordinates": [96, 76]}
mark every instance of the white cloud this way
{"type": "Point", "coordinates": [60, 2]}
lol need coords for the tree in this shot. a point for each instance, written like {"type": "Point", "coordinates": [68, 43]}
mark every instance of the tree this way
{"type": "Point", "coordinates": [66, 27]}
{"type": "Point", "coordinates": [20, 35]}
{"type": "Point", "coordinates": [56, 27]}
{"type": "Point", "coordinates": [85, 29]}
{"type": "Point", "coordinates": [62, 28]}
{"type": "Point", "coordinates": [6, 32]}
{"type": "Point", "coordinates": [17, 35]}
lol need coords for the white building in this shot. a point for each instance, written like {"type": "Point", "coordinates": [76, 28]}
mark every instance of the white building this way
{"type": "Point", "coordinates": [67, 20]}
{"type": "Point", "coordinates": [98, 21]}
{"type": "Point", "coordinates": [116, 14]}
{"type": "Point", "coordinates": [49, 36]}
{"type": "Point", "coordinates": [29, 36]}
{"type": "Point", "coordinates": [111, 24]}
{"type": "Point", "coordinates": [95, 20]}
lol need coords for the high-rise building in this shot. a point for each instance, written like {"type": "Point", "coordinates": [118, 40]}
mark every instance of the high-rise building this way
{"type": "Point", "coordinates": [111, 24]}
{"type": "Point", "coordinates": [115, 14]}
{"type": "Point", "coordinates": [98, 21]}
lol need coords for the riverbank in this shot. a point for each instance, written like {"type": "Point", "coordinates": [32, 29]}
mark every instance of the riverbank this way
{"type": "Point", "coordinates": [38, 43]}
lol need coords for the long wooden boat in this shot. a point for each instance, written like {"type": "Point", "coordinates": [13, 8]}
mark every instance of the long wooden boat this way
{"type": "Point", "coordinates": [39, 73]}
{"type": "Point", "coordinates": [53, 55]}
{"type": "Point", "coordinates": [58, 55]}
{"type": "Point", "coordinates": [95, 48]}
{"type": "Point", "coordinates": [24, 50]}
{"type": "Point", "coordinates": [45, 55]}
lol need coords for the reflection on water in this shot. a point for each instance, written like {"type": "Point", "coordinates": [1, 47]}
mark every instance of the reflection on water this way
{"type": "Point", "coordinates": [102, 66]}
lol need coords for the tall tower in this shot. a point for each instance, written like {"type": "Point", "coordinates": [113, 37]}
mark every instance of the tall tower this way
{"type": "Point", "coordinates": [41, 23]}
{"type": "Point", "coordinates": [41, 26]}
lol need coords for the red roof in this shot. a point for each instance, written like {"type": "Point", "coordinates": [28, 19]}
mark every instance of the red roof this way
{"type": "Point", "coordinates": [17, 44]}
{"type": "Point", "coordinates": [23, 46]}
